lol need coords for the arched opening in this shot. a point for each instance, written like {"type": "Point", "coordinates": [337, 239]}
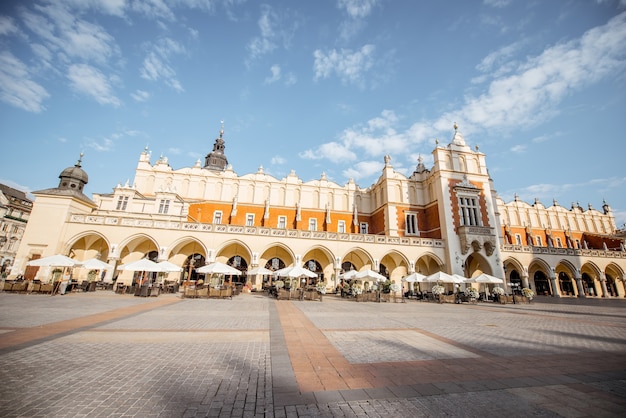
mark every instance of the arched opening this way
{"type": "Point", "coordinates": [515, 279]}
{"type": "Point", "coordinates": [589, 286]}
{"type": "Point", "coordinates": [611, 288]}
{"type": "Point", "coordinates": [190, 265]}
{"type": "Point", "coordinates": [316, 268]}
{"type": "Point", "coordinates": [542, 285]}
{"type": "Point", "coordinates": [240, 264]}
{"type": "Point", "coordinates": [566, 286]}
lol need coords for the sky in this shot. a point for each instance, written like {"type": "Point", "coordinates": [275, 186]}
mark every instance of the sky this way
{"type": "Point", "coordinates": [326, 86]}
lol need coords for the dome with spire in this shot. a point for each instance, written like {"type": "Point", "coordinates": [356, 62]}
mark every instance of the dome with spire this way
{"type": "Point", "coordinates": [216, 160]}
{"type": "Point", "coordinates": [74, 178]}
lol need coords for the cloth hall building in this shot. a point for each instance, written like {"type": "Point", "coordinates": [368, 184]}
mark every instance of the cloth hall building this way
{"type": "Point", "coordinates": [447, 217]}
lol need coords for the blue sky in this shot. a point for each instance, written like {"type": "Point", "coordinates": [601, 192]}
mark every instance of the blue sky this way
{"type": "Point", "coordinates": [318, 86]}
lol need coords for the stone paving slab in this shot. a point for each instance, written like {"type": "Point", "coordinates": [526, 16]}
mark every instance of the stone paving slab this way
{"type": "Point", "coordinates": [121, 356]}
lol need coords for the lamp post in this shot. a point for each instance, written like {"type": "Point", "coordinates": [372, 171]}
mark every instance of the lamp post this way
{"type": "Point", "coordinates": [513, 287]}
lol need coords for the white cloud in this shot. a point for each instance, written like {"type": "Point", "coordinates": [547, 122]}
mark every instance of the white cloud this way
{"type": "Point", "coordinates": [290, 79]}
{"type": "Point", "coordinates": [276, 30]}
{"type": "Point", "coordinates": [140, 95]}
{"type": "Point", "coordinates": [275, 70]}
{"type": "Point", "coordinates": [90, 81]}
{"type": "Point", "coordinates": [529, 94]}
{"type": "Point", "coordinates": [68, 35]}
{"type": "Point", "coordinates": [518, 149]}
{"type": "Point", "coordinates": [153, 9]}
{"type": "Point", "coordinates": [349, 66]}
{"type": "Point", "coordinates": [333, 151]}
{"type": "Point", "coordinates": [7, 26]}
{"type": "Point", "coordinates": [497, 3]}
{"type": "Point", "coordinates": [16, 86]}
{"type": "Point", "coordinates": [278, 160]}
{"type": "Point", "coordinates": [156, 65]}
{"type": "Point", "coordinates": [363, 169]}
{"type": "Point", "coordinates": [357, 9]}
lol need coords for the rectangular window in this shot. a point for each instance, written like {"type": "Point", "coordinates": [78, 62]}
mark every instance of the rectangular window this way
{"type": "Point", "coordinates": [5, 227]}
{"type": "Point", "coordinates": [539, 242]}
{"type": "Point", "coordinates": [341, 227]}
{"type": "Point", "coordinates": [469, 211]}
{"type": "Point", "coordinates": [217, 217]}
{"type": "Point", "coordinates": [411, 224]}
{"type": "Point", "coordinates": [363, 228]}
{"type": "Point", "coordinates": [578, 244]}
{"type": "Point", "coordinates": [122, 201]}
{"type": "Point", "coordinates": [15, 229]}
{"type": "Point", "coordinates": [312, 224]}
{"type": "Point", "coordinates": [282, 222]}
{"type": "Point", "coordinates": [518, 239]}
{"type": "Point", "coordinates": [249, 219]}
{"type": "Point", "coordinates": [559, 244]}
{"type": "Point", "coordinates": [164, 206]}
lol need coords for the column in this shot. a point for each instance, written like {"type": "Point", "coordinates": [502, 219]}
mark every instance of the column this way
{"type": "Point", "coordinates": [579, 284]}
{"type": "Point", "coordinates": [605, 291]}
{"type": "Point", "coordinates": [556, 291]}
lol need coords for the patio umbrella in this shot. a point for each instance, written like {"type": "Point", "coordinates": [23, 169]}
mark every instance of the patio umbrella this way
{"type": "Point", "coordinates": [169, 266]}
{"type": "Point", "coordinates": [94, 264]}
{"type": "Point", "coordinates": [218, 268]}
{"type": "Point", "coordinates": [370, 275]}
{"type": "Point", "coordinates": [348, 274]}
{"type": "Point", "coordinates": [414, 277]}
{"type": "Point", "coordinates": [293, 272]}
{"type": "Point", "coordinates": [440, 276]}
{"type": "Point", "coordinates": [142, 265]}
{"type": "Point", "coordinates": [56, 260]}
{"type": "Point", "coordinates": [260, 270]}
{"type": "Point", "coordinates": [486, 278]}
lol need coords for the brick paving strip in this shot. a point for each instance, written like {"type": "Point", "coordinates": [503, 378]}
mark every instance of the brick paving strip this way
{"type": "Point", "coordinates": [23, 337]}
{"type": "Point", "coordinates": [323, 374]}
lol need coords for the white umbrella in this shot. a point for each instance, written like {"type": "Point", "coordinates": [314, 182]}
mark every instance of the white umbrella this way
{"type": "Point", "coordinates": [486, 278]}
{"type": "Point", "coordinates": [169, 266]}
{"type": "Point", "coordinates": [56, 260]}
{"type": "Point", "coordinates": [348, 274]}
{"type": "Point", "coordinates": [142, 265]}
{"type": "Point", "coordinates": [440, 276]}
{"type": "Point", "coordinates": [293, 272]}
{"type": "Point", "coordinates": [371, 275]}
{"type": "Point", "coordinates": [95, 264]}
{"type": "Point", "coordinates": [218, 268]}
{"type": "Point", "coordinates": [414, 277]}
{"type": "Point", "coordinates": [460, 279]}
{"type": "Point", "coordinates": [260, 270]}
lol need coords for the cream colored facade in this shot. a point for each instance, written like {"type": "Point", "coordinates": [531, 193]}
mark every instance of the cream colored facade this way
{"type": "Point", "coordinates": [15, 210]}
{"type": "Point", "coordinates": [448, 217]}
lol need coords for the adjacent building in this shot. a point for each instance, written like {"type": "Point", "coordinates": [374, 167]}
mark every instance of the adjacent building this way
{"type": "Point", "coordinates": [15, 209]}
{"type": "Point", "coordinates": [446, 217]}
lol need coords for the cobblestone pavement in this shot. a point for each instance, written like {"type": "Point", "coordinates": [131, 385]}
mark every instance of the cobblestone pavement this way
{"type": "Point", "coordinates": [102, 354]}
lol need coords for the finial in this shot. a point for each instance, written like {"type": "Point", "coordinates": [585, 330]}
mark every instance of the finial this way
{"type": "Point", "coordinates": [456, 126]}
{"type": "Point", "coordinates": [477, 148]}
{"type": "Point", "coordinates": [554, 202]}
{"type": "Point", "coordinates": [436, 141]}
{"type": "Point", "coordinates": [80, 159]}
{"type": "Point", "coordinates": [222, 129]}
{"type": "Point", "coordinates": [419, 158]}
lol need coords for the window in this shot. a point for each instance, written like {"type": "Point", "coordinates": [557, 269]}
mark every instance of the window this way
{"type": "Point", "coordinates": [518, 239]}
{"type": "Point", "coordinates": [469, 211]}
{"type": "Point", "coordinates": [5, 227]}
{"type": "Point", "coordinates": [217, 217]}
{"type": "Point", "coordinates": [411, 224]}
{"type": "Point", "coordinates": [164, 206]}
{"type": "Point", "coordinates": [559, 243]}
{"type": "Point", "coordinates": [363, 228]}
{"type": "Point", "coordinates": [312, 224]}
{"type": "Point", "coordinates": [122, 202]}
{"type": "Point", "coordinates": [539, 242]}
{"type": "Point", "coordinates": [578, 244]}
{"type": "Point", "coordinates": [341, 227]}
{"type": "Point", "coordinates": [15, 229]}
{"type": "Point", "coordinates": [250, 219]}
{"type": "Point", "coordinates": [282, 222]}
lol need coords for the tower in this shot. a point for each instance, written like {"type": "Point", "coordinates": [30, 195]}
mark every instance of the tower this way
{"type": "Point", "coordinates": [216, 160]}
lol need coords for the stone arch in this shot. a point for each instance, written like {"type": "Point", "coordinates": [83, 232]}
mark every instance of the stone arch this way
{"type": "Point", "coordinates": [475, 264]}
{"type": "Point", "coordinates": [397, 265]}
{"type": "Point", "coordinates": [540, 277]}
{"type": "Point", "coordinates": [428, 263]}
{"type": "Point", "coordinates": [88, 244]}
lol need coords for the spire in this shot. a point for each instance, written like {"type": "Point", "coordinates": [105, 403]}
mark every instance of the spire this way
{"type": "Point", "coordinates": [216, 160]}
{"type": "Point", "coordinates": [457, 139]}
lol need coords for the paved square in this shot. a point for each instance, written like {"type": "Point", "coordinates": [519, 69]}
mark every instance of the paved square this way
{"type": "Point", "coordinates": [102, 354]}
